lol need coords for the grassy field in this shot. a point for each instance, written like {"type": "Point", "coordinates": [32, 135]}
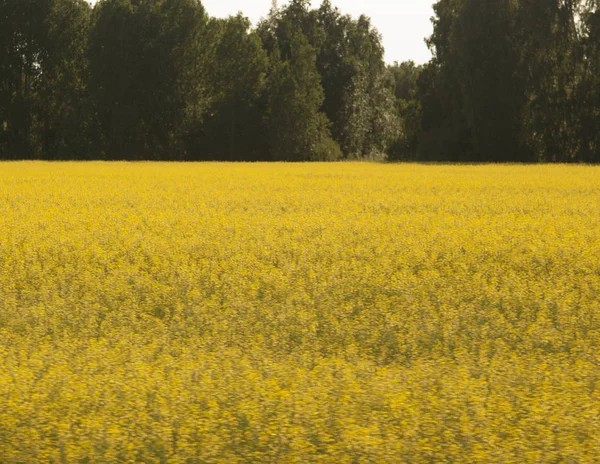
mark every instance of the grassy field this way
{"type": "Point", "coordinates": [343, 313]}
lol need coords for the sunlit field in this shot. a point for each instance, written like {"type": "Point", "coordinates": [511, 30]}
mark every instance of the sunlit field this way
{"type": "Point", "coordinates": [302, 313]}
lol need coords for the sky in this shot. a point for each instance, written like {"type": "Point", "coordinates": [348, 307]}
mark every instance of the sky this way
{"type": "Point", "coordinates": [404, 24]}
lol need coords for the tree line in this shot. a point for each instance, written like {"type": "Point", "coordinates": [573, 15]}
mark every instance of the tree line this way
{"type": "Point", "coordinates": [510, 80]}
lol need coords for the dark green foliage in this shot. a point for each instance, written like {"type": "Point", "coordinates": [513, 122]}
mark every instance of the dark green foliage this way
{"type": "Point", "coordinates": [358, 88]}
{"type": "Point", "coordinates": [297, 129]}
{"type": "Point", "coordinates": [62, 100]}
{"type": "Point", "coordinates": [358, 98]}
{"type": "Point", "coordinates": [487, 66]}
{"type": "Point", "coordinates": [146, 60]}
{"type": "Point", "coordinates": [510, 80]}
{"type": "Point", "coordinates": [587, 92]}
{"type": "Point", "coordinates": [408, 107]}
{"type": "Point", "coordinates": [406, 76]}
{"type": "Point", "coordinates": [42, 78]}
{"type": "Point", "coordinates": [20, 44]}
{"type": "Point", "coordinates": [236, 77]}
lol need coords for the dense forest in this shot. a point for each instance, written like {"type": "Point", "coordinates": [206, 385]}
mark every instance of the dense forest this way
{"type": "Point", "coordinates": [510, 80]}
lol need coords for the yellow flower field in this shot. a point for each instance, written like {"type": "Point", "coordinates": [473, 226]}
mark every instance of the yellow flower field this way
{"type": "Point", "coordinates": [310, 313]}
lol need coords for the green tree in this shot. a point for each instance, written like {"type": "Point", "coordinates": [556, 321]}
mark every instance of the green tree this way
{"type": "Point", "coordinates": [511, 81]}
{"type": "Point", "coordinates": [20, 45]}
{"type": "Point", "coordinates": [296, 128]}
{"type": "Point", "coordinates": [472, 93]}
{"type": "Point", "coordinates": [358, 88]}
{"type": "Point", "coordinates": [42, 77]}
{"type": "Point", "coordinates": [358, 97]}
{"type": "Point", "coordinates": [231, 129]}
{"type": "Point", "coordinates": [493, 89]}
{"type": "Point", "coordinates": [550, 67]}
{"type": "Point", "coordinates": [444, 135]}
{"type": "Point", "coordinates": [146, 71]}
{"type": "Point", "coordinates": [62, 109]}
{"type": "Point", "coordinates": [587, 96]}
{"type": "Point", "coordinates": [406, 76]}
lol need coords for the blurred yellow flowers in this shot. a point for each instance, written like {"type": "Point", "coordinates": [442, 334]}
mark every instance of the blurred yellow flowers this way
{"type": "Point", "coordinates": [310, 313]}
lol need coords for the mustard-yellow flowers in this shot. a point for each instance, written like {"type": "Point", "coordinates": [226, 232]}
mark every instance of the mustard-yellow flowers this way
{"type": "Point", "coordinates": [343, 313]}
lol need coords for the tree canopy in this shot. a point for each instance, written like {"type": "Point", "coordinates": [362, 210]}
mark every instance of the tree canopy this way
{"type": "Point", "coordinates": [510, 80]}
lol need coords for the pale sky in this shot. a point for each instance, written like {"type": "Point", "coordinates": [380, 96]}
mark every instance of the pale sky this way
{"type": "Point", "coordinates": [404, 24]}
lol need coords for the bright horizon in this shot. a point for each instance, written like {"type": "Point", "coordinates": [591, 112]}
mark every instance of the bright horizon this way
{"type": "Point", "coordinates": [403, 24]}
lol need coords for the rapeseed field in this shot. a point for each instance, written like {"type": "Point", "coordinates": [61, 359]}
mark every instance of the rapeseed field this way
{"type": "Point", "coordinates": [281, 313]}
